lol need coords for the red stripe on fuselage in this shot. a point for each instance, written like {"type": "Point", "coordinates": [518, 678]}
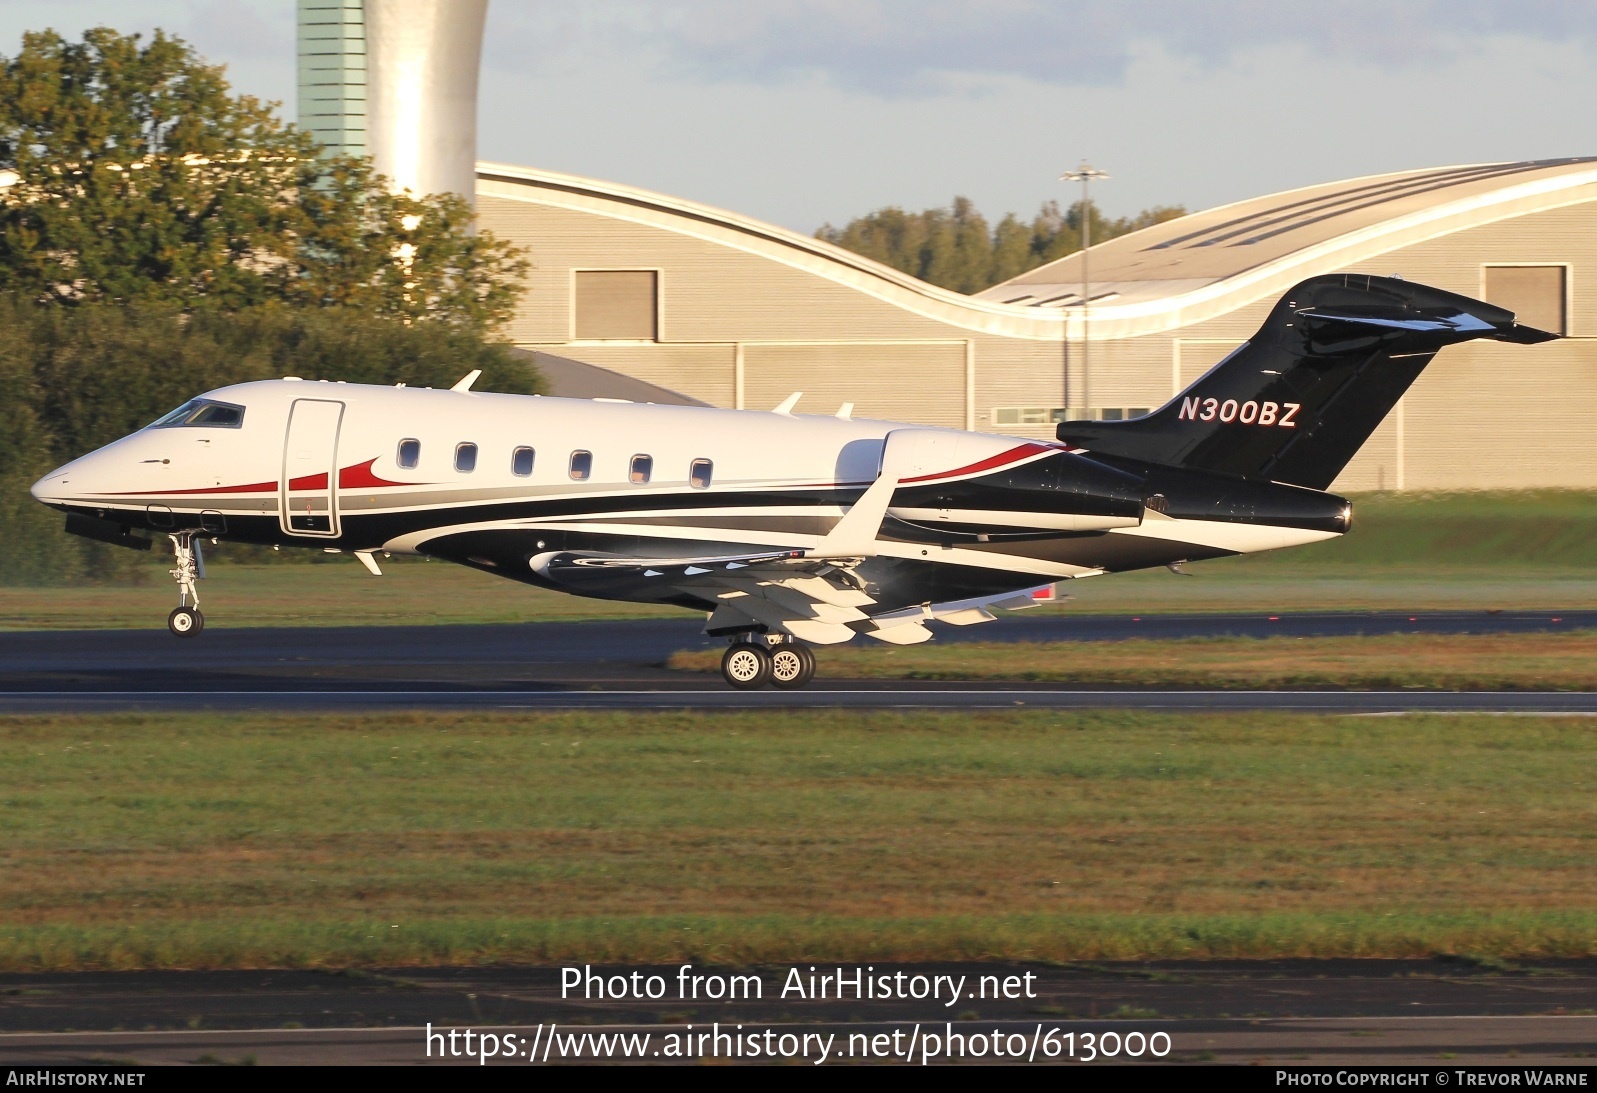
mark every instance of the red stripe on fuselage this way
{"type": "Point", "coordinates": [1013, 455]}
{"type": "Point", "coordinates": [257, 487]}
{"type": "Point", "coordinates": [360, 477]}
{"type": "Point", "coordinates": [357, 477]}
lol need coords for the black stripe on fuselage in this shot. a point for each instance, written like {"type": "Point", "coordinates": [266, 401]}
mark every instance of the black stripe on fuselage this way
{"type": "Point", "coordinates": [504, 551]}
{"type": "Point", "coordinates": [1048, 486]}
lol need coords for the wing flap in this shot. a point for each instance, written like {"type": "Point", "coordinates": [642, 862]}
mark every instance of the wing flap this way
{"type": "Point", "coordinates": [909, 633]}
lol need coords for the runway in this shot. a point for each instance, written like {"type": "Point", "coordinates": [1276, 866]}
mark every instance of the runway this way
{"type": "Point", "coordinates": [1292, 1012]}
{"type": "Point", "coordinates": [1422, 1012]}
{"type": "Point", "coordinates": [897, 696]}
{"type": "Point", "coordinates": [619, 665]}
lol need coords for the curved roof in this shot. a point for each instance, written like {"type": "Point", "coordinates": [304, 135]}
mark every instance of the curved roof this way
{"type": "Point", "coordinates": [744, 233]}
{"type": "Point", "coordinates": [1281, 238]}
{"type": "Point", "coordinates": [1164, 277]}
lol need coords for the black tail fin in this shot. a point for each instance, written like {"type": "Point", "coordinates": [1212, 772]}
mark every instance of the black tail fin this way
{"type": "Point", "coordinates": [1299, 399]}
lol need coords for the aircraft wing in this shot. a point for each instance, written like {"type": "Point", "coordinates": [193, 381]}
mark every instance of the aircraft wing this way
{"type": "Point", "coordinates": [816, 599]}
{"type": "Point", "coordinates": [772, 588]}
{"type": "Point", "coordinates": [811, 593]}
{"type": "Point", "coordinates": [820, 609]}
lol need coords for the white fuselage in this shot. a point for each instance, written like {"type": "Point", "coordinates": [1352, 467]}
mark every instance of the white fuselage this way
{"type": "Point", "coordinates": [358, 467]}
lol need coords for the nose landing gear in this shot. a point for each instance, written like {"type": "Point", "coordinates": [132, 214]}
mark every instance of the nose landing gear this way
{"type": "Point", "coordinates": [749, 665]}
{"type": "Point", "coordinates": [185, 620]}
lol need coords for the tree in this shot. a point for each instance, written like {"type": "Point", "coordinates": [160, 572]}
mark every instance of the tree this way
{"type": "Point", "coordinates": [1012, 253]}
{"type": "Point", "coordinates": [74, 378]}
{"type": "Point", "coordinates": [136, 176]}
{"type": "Point", "coordinates": [160, 236]}
{"type": "Point", "coordinates": [954, 249]}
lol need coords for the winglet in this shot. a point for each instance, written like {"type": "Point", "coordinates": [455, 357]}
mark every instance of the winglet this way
{"type": "Point", "coordinates": [465, 382]}
{"type": "Point", "coordinates": [787, 404]}
{"type": "Point", "coordinates": [854, 536]}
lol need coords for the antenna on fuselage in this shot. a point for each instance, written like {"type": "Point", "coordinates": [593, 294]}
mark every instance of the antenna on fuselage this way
{"type": "Point", "coordinates": [464, 382]}
{"type": "Point", "coordinates": [787, 404]}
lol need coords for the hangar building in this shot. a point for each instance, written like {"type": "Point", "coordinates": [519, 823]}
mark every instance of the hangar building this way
{"type": "Point", "coordinates": [733, 312]}
{"type": "Point", "coordinates": [643, 296]}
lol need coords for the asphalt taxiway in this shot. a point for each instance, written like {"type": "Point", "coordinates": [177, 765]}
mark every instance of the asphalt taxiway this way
{"type": "Point", "coordinates": [620, 665]}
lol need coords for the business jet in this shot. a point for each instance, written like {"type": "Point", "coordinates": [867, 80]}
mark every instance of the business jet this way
{"type": "Point", "coordinates": [788, 530]}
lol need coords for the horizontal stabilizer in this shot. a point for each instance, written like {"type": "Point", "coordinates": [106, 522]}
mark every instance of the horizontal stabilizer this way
{"type": "Point", "coordinates": [1461, 323]}
{"type": "Point", "coordinates": [1519, 334]}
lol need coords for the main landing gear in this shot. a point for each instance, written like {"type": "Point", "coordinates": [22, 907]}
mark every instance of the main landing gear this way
{"type": "Point", "coordinates": [749, 665]}
{"type": "Point", "coordinates": [185, 620]}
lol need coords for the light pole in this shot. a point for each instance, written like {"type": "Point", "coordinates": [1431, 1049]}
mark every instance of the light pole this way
{"type": "Point", "coordinates": [1084, 175]}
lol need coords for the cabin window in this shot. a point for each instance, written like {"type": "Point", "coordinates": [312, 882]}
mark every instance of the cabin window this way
{"type": "Point", "coordinates": [202, 413]}
{"type": "Point", "coordinates": [616, 305]}
{"type": "Point", "coordinates": [581, 465]}
{"type": "Point", "coordinates": [521, 462]}
{"type": "Point", "coordinates": [699, 474]}
{"type": "Point", "coordinates": [642, 468]}
{"type": "Point", "coordinates": [465, 458]}
{"type": "Point", "coordinates": [409, 454]}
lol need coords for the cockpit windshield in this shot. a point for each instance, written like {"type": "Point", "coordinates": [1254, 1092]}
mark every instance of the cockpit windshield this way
{"type": "Point", "coordinates": [204, 413]}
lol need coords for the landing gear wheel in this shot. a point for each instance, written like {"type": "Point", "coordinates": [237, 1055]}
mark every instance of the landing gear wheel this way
{"type": "Point", "coordinates": [746, 666]}
{"type": "Point", "coordinates": [792, 665]}
{"type": "Point", "coordinates": [185, 622]}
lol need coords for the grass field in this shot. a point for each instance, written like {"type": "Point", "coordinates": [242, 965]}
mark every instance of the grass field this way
{"type": "Point", "coordinates": [196, 841]}
{"type": "Point", "coordinates": [1406, 552]}
{"type": "Point", "coordinates": [410, 592]}
{"type": "Point", "coordinates": [1450, 662]}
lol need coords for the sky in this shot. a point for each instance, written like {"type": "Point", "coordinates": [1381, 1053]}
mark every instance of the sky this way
{"type": "Point", "coordinates": [804, 112]}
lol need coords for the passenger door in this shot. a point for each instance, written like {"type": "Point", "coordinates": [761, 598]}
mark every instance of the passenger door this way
{"type": "Point", "coordinates": [308, 503]}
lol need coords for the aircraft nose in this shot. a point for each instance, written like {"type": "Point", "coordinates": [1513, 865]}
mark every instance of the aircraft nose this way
{"type": "Point", "coordinates": [47, 487]}
{"type": "Point", "coordinates": [59, 486]}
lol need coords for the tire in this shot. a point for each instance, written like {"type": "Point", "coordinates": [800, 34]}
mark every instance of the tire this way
{"type": "Point", "coordinates": [792, 666]}
{"type": "Point", "coordinates": [185, 622]}
{"type": "Point", "coordinates": [746, 666]}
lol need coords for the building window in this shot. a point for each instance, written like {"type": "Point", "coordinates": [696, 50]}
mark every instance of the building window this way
{"type": "Point", "coordinates": [465, 458]}
{"type": "Point", "coordinates": [409, 454]}
{"type": "Point", "coordinates": [642, 468]}
{"type": "Point", "coordinates": [1535, 294]}
{"type": "Point", "coordinates": [1052, 415]}
{"type": "Point", "coordinates": [699, 473]}
{"type": "Point", "coordinates": [521, 462]}
{"type": "Point", "coordinates": [616, 305]}
{"type": "Point", "coordinates": [581, 465]}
